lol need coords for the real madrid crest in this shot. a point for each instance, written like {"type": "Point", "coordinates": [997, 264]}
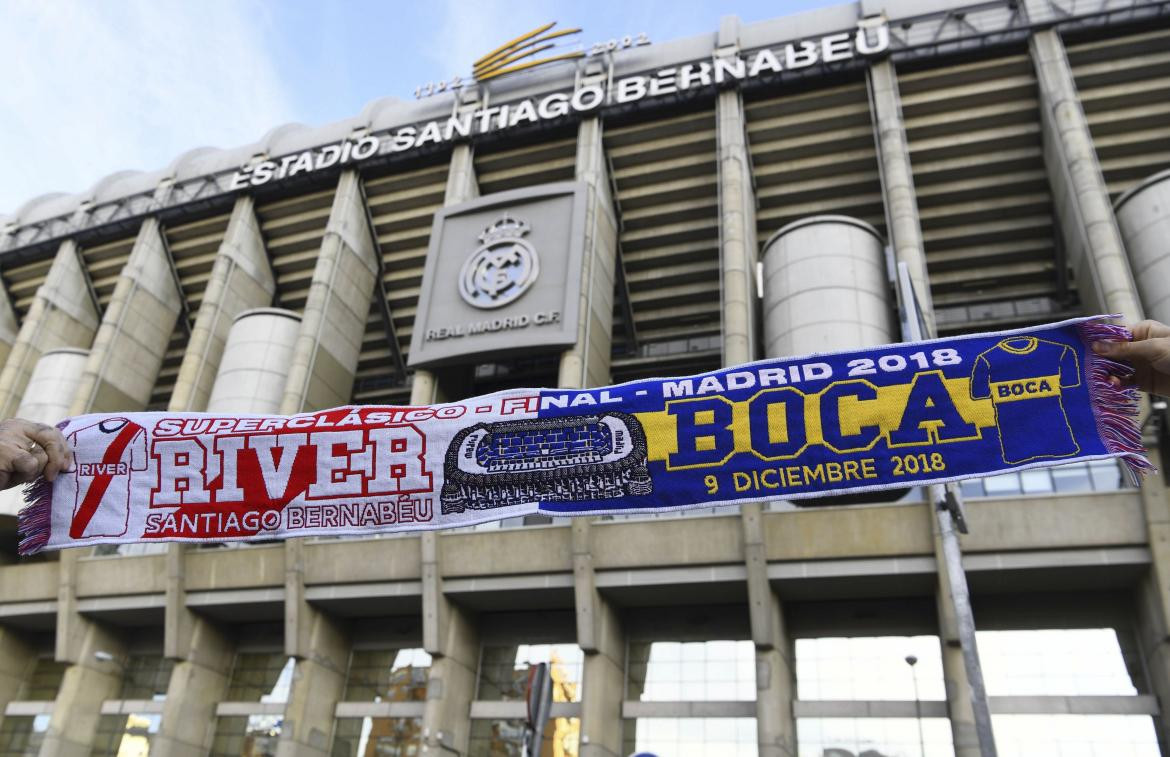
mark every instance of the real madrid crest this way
{"type": "Point", "coordinates": [502, 268]}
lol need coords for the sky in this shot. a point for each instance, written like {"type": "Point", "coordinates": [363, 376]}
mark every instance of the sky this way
{"type": "Point", "coordinates": [91, 88]}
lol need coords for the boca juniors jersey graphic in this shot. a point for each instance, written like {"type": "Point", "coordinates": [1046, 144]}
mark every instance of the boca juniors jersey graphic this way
{"type": "Point", "coordinates": [107, 455]}
{"type": "Point", "coordinates": [1023, 377]}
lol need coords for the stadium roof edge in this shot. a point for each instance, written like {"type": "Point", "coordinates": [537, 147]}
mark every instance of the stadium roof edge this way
{"type": "Point", "coordinates": [59, 209]}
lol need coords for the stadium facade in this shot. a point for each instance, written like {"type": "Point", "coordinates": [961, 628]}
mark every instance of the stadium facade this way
{"type": "Point", "coordinates": [1014, 154]}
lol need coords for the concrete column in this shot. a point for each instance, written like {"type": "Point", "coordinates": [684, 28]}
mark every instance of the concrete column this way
{"type": "Point", "coordinates": [906, 237]}
{"type": "Point", "coordinates": [334, 320]}
{"type": "Point", "coordinates": [1154, 600]}
{"type": "Point", "coordinates": [1082, 202]}
{"type": "Point", "coordinates": [825, 288]}
{"type": "Point", "coordinates": [1107, 285]}
{"type": "Point", "coordinates": [17, 660]}
{"type": "Point", "coordinates": [132, 340]}
{"type": "Point", "coordinates": [739, 254]}
{"type": "Point", "coordinates": [241, 279]}
{"type": "Point", "coordinates": [87, 682]}
{"type": "Point", "coordinates": [62, 314]}
{"type": "Point", "coordinates": [255, 365]}
{"type": "Point", "coordinates": [898, 194]}
{"type": "Point", "coordinates": [462, 186]}
{"type": "Point", "coordinates": [318, 684]}
{"type": "Point", "coordinates": [9, 325]}
{"type": "Point", "coordinates": [199, 682]}
{"type": "Point", "coordinates": [958, 687]}
{"type": "Point", "coordinates": [586, 363]}
{"type": "Point", "coordinates": [737, 219]}
{"type": "Point", "coordinates": [1143, 215]}
{"type": "Point", "coordinates": [450, 638]}
{"type": "Point", "coordinates": [775, 667]}
{"type": "Point", "coordinates": [52, 386]}
{"type": "Point", "coordinates": [599, 634]}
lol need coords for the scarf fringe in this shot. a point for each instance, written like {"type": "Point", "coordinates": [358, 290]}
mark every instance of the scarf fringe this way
{"type": "Point", "coordinates": [1114, 408]}
{"type": "Point", "coordinates": [35, 517]}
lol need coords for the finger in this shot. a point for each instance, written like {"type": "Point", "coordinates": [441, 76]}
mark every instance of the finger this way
{"type": "Point", "coordinates": [1149, 329]}
{"type": "Point", "coordinates": [24, 467]}
{"type": "Point", "coordinates": [57, 451]}
{"type": "Point", "coordinates": [1146, 351]}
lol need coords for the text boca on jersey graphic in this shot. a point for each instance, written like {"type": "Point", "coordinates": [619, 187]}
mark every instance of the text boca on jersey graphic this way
{"type": "Point", "coordinates": [1024, 378]}
{"type": "Point", "coordinates": [106, 455]}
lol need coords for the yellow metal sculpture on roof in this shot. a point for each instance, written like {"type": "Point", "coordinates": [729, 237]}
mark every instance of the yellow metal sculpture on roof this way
{"type": "Point", "coordinates": [516, 55]}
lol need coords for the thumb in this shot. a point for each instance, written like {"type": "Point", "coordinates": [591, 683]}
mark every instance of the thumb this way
{"type": "Point", "coordinates": [1144, 351]}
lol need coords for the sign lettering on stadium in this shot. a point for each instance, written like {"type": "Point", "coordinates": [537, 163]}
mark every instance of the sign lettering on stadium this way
{"type": "Point", "coordinates": [866, 41]}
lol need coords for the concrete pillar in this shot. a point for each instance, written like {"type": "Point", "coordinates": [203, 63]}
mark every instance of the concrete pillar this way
{"type": "Point", "coordinates": [775, 665]}
{"type": "Point", "coordinates": [318, 684]}
{"type": "Point", "coordinates": [825, 288]}
{"type": "Point", "coordinates": [1154, 599]}
{"type": "Point", "coordinates": [132, 340]}
{"type": "Point", "coordinates": [256, 361]}
{"type": "Point", "coordinates": [1091, 236]}
{"type": "Point", "coordinates": [586, 363]}
{"type": "Point", "coordinates": [1143, 216]}
{"type": "Point", "coordinates": [62, 314]}
{"type": "Point", "coordinates": [958, 687]}
{"type": "Point", "coordinates": [775, 679]}
{"type": "Point", "coordinates": [427, 387]}
{"type": "Point", "coordinates": [737, 218]}
{"type": "Point", "coordinates": [450, 638]}
{"type": "Point", "coordinates": [9, 325]}
{"type": "Point", "coordinates": [88, 681]}
{"type": "Point", "coordinates": [898, 183]}
{"type": "Point", "coordinates": [1107, 285]}
{"type": "Point", "coordinates": [334, 321]}
{"type": "Point", "coordinates": [599, 634]}
{"type": "Point", "coordinates": [241, 279]}
{"type": "Point", "coordinates": [199, 682]}
{"type": "Point", "coordinates": [17, 661]}
{"type": "Point", "coordinates": [52, 385]}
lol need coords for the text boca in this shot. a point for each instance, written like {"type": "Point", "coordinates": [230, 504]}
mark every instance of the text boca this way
{"type": "Point", "coordinates": [278, 468]}
{"type": "Point", "coordinates": [776, 424]}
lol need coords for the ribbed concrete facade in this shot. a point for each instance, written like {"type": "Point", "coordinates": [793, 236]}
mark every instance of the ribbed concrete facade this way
{"type": "Point", "coordinates": [1013, 156]}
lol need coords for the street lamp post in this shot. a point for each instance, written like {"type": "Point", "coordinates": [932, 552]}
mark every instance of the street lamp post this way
{"type": "Point", "coordinates": [911, 660]}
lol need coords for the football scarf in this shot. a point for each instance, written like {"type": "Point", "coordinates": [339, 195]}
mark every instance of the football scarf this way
{"type": "Point", "coordinates": [889, 417]}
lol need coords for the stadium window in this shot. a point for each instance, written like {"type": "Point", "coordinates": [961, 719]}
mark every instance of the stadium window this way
{"type": "Point", "coordinates": [838, 679]}
{"type": "Point", "coordinates": [22, 735]}
{"type": "Point", "coordinates": [382, 706]}
{"type": "Point", "coordinates": [499, 712]}
{"type": "Point", "coordinates": [249, 719]}
{"type": "Point", "coordinates": [686, 737]}
{"type": "Point", "coordinates": [1089, 735]}
{"type": "Point", "coordinates": [26, 720]}
{"type": "Point", "coordinates": [128, 724]}
{"type": "Point", "coordinates": [720, 670]}
{"type": "Point", "coordinates": [869, 668]}
{"type": "Point", "coordinates": [1076, 478]}
{"type": "Point", "coordinates": [1054, 662]}
{"type": "Point", "coordinates": [712, 663]}
{"type": "Point", "coordinates": [874, 736]}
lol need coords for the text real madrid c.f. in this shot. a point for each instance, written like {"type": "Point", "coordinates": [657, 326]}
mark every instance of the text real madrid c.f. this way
{"type": "Point", "coordinates": [865, 41]}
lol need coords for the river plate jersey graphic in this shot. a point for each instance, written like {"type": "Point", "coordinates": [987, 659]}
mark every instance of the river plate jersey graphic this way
{"type": "Point", "coordinates": [1023, 377]}
{"type": "Point", "coordinates": [106, 455]}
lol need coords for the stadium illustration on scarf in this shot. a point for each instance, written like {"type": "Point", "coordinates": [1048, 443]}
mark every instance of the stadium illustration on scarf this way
{"type": "Point", "coordinates": [796, 428]}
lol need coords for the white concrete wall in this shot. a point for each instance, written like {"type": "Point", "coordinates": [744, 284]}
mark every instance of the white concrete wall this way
{"type": "Point", "coordinates": [256, 361]}
{"type": "Point", "coordinates": [1143, 214]}
{"type": "Point", "coordinates": [825, 288]}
